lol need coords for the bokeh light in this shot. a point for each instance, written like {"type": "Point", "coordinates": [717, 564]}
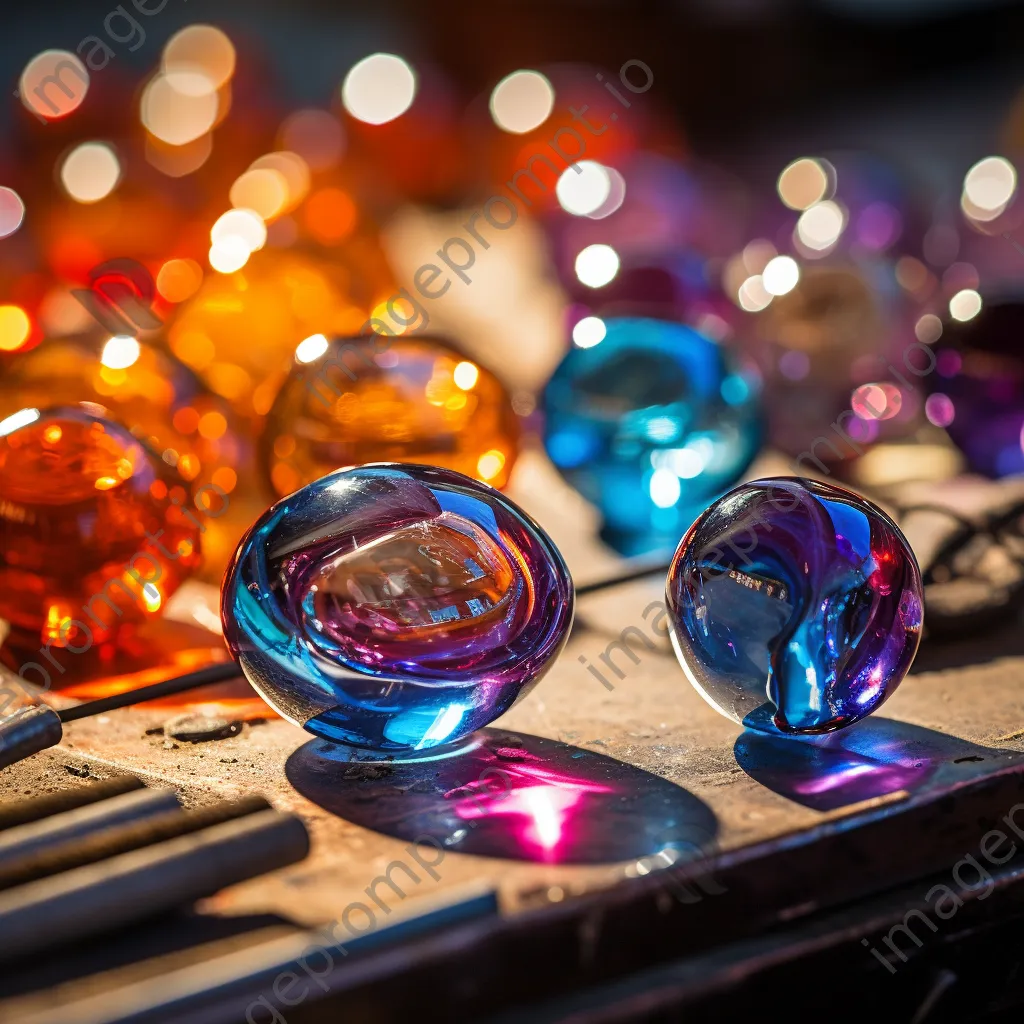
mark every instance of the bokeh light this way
{"type": "Point", "coordinates": [330, 215]}
{"type": "Point", "coordinates": [15, 328]}
{"type": "Point", "coordinates": [177, 161]}
{"type": "Point", "coordinates": [90, 172]}
{"type": "Point", "coordinates": [965, 305]}
{"type": "Point", "coordinates": [176, 117]}
{"type": "Point", "coordinates": [379, 88]}
{"type": "Point", "coordinates": [780, 275]}
{"type": "Point", "coordinates": [120, 352]}
{"type": "Point", "coordinates": [522, 101]}
{"type": "Point", "coordinates": [939, 409]}
{"type": "Point", "coordinates": [928, 329]}
{"type": "Point", "coordinates": [989, 186]}
{"type": "Point", "coordinates": [229, 255]}
{"type": "Point", "coordinates": [583, 188]}
{"type": "Point", "coordinates": [880, 401]}
{"type": "Point", "coordinates": [245, 225]}
{"type": "Point", "coordinates": [199, 60]}
{"type": "Point", "coordinates": [597, 264]}
{"type": "Point", "coordinates": [752, 295]}
{"type": "Point", "coordinates": [465, 375]}
{"type": "Point", "coordinates": [316, 136]}
{"type": "Point", "coordinates": [294, 171]}
{"type": "Point", "coordinates": [589, 331]}
{"type": "Point", "coordinates": [310, 349]}
{"type": "Point", "coordinates": [179, 279]}
{"type": "Point", "coordinates": [820, 226]}
{"type": "Point", "coordinates": [12, 211]}
{"type": "Point", "coordinates": [262, 190]}
{"type": "Point", "coordinates": [805, 182]}
{"type": "Point", "coordinates": [53, 84]}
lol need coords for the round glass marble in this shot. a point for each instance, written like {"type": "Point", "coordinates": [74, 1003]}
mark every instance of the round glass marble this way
{"type": "Point", "coordinates": [795, 606]}
{"type": "Point", "coordinates": [649, 422]}
{"type": "Point", "coordinates": [95, 529]}
{"type": "Point", "coordinates": [351, 401]}
{"type": "Point", "coordinates": [394, 609]}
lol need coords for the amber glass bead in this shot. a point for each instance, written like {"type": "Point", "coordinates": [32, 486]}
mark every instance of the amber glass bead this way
{"type": "Point", "coordinates": [96, 531]}
{"type": "Point", "coordinates": [166, 406]}
{"type": "Point", "coordinates": [381, 399]}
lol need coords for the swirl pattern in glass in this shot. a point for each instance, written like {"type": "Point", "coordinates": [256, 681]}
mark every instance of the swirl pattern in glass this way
{"type": "Point", "coordinates": [395, 608]}
{"type": "Point", "coordinates": [795, 606]}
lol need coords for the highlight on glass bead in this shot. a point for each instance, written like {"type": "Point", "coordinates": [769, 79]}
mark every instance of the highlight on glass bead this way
{"type": "Point", "coordinates": [795, 606]}
{"type": "Point", "coordinates": [95, 530]}
{"type": "Point", "coordinates": [395, 608]}
{"type": "Point", "coordinates": [649, 421]}
{"type": "Point", "coordinates": [977, 388]}
{"type": "Point", "coordinates": [353, 400]}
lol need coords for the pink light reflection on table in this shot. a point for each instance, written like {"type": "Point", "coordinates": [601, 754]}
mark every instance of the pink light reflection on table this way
{"type": "Point", "coordinates": [545, 800]}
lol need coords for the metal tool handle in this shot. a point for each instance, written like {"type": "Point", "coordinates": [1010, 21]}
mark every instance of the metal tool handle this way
{"type": "Point", "coordinates": [27, 733]}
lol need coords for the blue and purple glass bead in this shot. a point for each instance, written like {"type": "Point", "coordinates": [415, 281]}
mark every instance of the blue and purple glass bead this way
{"type": "Point", "coordinates": [795, 606]}
{"type": "Point", "coordinates": [394, 609]}
{"type": "Point", "coordinates": [650, 422]}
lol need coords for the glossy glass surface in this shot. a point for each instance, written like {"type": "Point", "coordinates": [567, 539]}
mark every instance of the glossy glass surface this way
{"type": "Point", "coordinates": [166, 406]}
{"type": "Point", "coordinates": [650, 424]}
{"type": "Point", "coordinates": [978, 388]}
{"type": "Point", "coordinates": [395, 608]}
{"type": "Point", "coordinates": [795, 606]}
{"type": "Point", "coordinates": [371, 399]}
{"type": "Point", "coordinates": [93, 535]}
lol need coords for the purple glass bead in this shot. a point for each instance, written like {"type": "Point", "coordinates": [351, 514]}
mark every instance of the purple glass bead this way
{"type": "Point", "coordinates": [795, 606]}
{"type": "Point", "coordinates": [978, 388]}
{"type": "Point", "coordinates": [395, 608]}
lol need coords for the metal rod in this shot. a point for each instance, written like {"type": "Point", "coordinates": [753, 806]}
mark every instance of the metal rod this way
{"type": "Point", "coordinates": [219, 673]}
{"type": "Point", "coordinates": [113, 893]}
{"type": "Point", "coordinates": [22, 812]}
{"type": "Point", "coordinates": [639, 573]}
{"type": "Point", "coordinates": [225, 984]}
{"type": "Point", "coordinates": [67, 856]}
{"type": "Point", "coordinates": [76, 826]}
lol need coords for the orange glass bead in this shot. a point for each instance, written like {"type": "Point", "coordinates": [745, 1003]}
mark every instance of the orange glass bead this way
{"type": "Point", "coordinates": [87, 548]}
{"type": "Point", "coordinates": [382, 399]}
{"type": "Point", "coordinates": [167, 407]}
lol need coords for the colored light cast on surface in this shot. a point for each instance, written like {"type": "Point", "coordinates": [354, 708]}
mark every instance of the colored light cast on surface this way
{"type": "Point", "coordinates": [395, 609]}
{"type": "Point", "coordinates": [795, 606]}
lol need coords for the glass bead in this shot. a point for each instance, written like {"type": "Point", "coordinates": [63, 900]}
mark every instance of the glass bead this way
{"type": "Point", "coordinates": [168, 408]}
{"type": "Point", "coordinates": [649, 422]}
{"type": "Point", "coordinates": [977, 388]}
{"type": "Point", "coordinates": [795, 606]}
{"type": "Point", "coordinates": [375, 398]}
{"type": "Point", "coordinates": [835, 331]}
{"type": "Point", "coordinates": [95, 533]}
{"type": "Point", "coordinates": [395, 608]}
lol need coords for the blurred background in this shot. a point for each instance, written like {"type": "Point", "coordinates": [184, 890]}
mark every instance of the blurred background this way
{"type": "Point", "coordinates": [696, 242]}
